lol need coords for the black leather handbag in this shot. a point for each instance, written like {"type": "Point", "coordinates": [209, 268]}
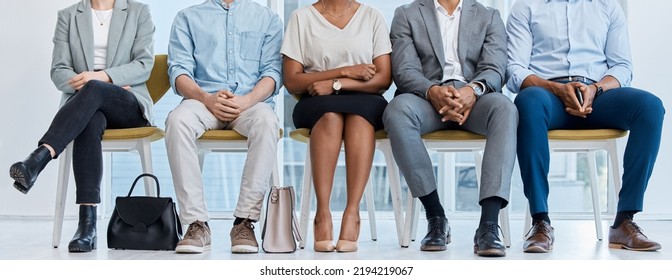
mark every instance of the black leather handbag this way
{"type": "Point", "coordinates": [144, 222]}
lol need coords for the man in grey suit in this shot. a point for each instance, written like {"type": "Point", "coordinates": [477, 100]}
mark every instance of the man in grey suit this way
{"type": "Point", "coordinates": [448, 63]}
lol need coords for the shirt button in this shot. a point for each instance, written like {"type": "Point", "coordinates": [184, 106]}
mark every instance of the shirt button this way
{"type": "Point", "coordinates": [231, 71]}
{"type": "Point", "coordinates": [230, 51]}
{"type": "Point", "coordinates": [230, 33]}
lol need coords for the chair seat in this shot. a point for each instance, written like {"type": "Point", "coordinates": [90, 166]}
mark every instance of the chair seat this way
{"type": "Point", "coordinates": [585, 134]}
{"type": "Point", "coordinates": [455, 135]}
{"type": "Point", "coordinates": [225, 135]}
{"type": "Point", "coordinates": [151, 132]}
{"type": "Point", "coordinates": [303, 134]}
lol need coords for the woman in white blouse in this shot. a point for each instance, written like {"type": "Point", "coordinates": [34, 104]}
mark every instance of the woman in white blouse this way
{"type": "Point", "coordinates": [101, 60]}
{"type": "Point", "coordinates": [337, 61]}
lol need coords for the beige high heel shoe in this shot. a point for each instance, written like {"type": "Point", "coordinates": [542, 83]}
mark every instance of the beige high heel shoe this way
{"type": "Point", "coordinates": [346, 246]}
{"type": "Point", "coordinates": [324, 245]}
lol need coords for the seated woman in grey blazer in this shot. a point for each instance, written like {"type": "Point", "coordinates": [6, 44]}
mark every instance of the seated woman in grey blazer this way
{"type": "Point", "coordinates": [102, 57]}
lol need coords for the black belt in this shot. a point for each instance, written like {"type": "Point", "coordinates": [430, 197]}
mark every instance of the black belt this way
{"type": "Point", "coordinates": [568, 79]}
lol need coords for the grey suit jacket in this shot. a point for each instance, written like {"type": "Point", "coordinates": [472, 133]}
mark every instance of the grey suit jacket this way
{"type": "Point", "coordinates": [417, 49]}
{"type": "Point", "coordinates": [130, 43]}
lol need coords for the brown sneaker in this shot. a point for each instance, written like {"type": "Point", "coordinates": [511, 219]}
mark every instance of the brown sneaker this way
{"type": "Point", "coordinates": [195, 240]}
{"type": "Point", "coordinates": [629, 236]}
{"type": "Point", "coordinates": [242, 238]}
{"type": "Point", "coordinates": [540, 238]}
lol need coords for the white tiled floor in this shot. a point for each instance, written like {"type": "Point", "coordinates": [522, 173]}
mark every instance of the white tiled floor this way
{"type": "Point", "coordinates": [575, 240]}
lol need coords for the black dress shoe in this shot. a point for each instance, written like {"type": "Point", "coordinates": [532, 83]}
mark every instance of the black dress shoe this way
{"type": "Point", "coordinates": [25, 172]}
{"type": "Point", "coordinates": [85, 236]}
{"type": "Point", "coordinates": [486, 241]}
{"type": "Point", "coordinates": [438, 234]}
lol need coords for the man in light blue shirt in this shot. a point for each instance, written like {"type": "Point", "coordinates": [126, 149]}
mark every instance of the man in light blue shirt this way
{"type": "Point", "coordinates": [569, 62]}
{"type": "Point", "coordinates": [224, 59]}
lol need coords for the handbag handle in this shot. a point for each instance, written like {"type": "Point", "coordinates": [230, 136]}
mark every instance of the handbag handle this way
{"type": "Point", "coordinates": [158, 190]}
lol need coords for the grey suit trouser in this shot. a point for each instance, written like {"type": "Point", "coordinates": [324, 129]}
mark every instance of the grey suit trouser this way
{"type": "Point", "coordinates": [409, 116]}
{"type": "Point", "coordinates": [190, 120]}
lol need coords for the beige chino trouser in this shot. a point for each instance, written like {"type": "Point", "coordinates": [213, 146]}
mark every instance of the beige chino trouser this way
{"type": "Point", "coordinates": [186, 123]}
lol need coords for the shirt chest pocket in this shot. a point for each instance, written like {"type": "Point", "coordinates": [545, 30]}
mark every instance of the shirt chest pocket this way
{"type": "Point", "coordinates": [250, 45]}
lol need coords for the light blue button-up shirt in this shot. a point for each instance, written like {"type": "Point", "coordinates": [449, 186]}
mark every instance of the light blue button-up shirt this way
{"type": "Point", "coordinates": [556, 38]}
{"type": "Point", "coordinates": [226, 48]}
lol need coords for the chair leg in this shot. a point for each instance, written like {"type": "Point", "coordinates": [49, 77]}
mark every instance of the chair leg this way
{"type": "Point", "coordinates": [614, 171]}
{"type": "Point", "coordinates": [408, 225]}
{"type": "Point", "coordinates": [506, 228]}
{"type": "Point", "coordinates": [594, 189]}
{"type": "Point", "coordinates": [145, 151]}
{"type": "Point", "coordinates": [305, 199]}
{"type": "Point", "coordinates": [416, 219]}
{"type": "Point", "coordinates": [368, 196]}
{"type": "Point", "coordinates": [201, 159]}
{"type": "Point", "coordinates": [61, 194]}
{"type": "Point", "coordinates": [528, 222]}
{"type": "Point", "coordinates": [395, 189]}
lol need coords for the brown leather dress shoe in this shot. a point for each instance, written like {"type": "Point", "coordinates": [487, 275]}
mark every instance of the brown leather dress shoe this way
{"type": "Point", "coordinates": [540, 238]}
{"type": "Point", "coordinates": [629, 236]}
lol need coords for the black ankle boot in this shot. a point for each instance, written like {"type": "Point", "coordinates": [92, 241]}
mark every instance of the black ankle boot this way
{"type": "Point", "coordinates": [25, 172]}
{"type": "Point", "coordinates": [85, 237]}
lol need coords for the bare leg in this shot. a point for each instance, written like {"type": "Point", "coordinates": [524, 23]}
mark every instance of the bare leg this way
{"type": "Point", "coordinates": [359, 148]}
{"type": "Point", "coordinates": [51, 150]}
{"type": "Point", "coordinates": [325, 145]}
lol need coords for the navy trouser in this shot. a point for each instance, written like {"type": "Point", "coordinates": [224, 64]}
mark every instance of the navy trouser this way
{"type": "Point", "coordinates": [84, 118]}
{"type": "Point", "coordinates": [631, 109]}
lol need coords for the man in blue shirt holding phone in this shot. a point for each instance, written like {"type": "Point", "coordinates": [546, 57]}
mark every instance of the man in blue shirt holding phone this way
{"type": "Point", "coordinates": [569, 62]}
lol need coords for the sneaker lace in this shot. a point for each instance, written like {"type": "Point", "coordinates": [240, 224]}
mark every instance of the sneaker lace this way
{"type": "Point", "coordinates": [195, 229]}
{"type": "Point", "coordinates": [245, 229]}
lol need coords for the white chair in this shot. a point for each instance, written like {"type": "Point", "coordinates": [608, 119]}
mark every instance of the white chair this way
{"type": "Point", "coordinates": [230, 141]}
{"type": "Point", "coordinates": [136, 139]}
{"type": "Point", "coordinates": [589, 141]}
{"type": "Point", "coordinates": [444, 141]}
{"type": "Point", "coordinates": [303, 135]}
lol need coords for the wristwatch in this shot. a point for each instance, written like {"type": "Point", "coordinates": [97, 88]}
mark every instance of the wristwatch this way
{"type": "Point", "coordinates": [599, 90]}
{"type": "Point", "coordinates": [478, 91]}
{"type": "Point", "coordinates": [336, 86]}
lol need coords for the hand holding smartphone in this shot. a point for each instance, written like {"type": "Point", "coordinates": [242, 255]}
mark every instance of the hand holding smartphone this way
{"type": "Point", "coordinates": [579, 96]}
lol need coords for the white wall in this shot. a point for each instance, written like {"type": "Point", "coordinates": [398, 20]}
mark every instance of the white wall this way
{"type": "Point", "coordinates": [649, 24]}
{"type": "Point", "coordinates": [31, 99]}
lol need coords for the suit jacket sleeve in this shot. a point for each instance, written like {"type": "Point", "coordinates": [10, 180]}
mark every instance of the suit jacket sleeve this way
{"type": "Point", "coordinates": [406, 67]}
{"type": "Point", "coordinates": [62, 68]}
{"type": "Point", "coordinates": [491, 66]}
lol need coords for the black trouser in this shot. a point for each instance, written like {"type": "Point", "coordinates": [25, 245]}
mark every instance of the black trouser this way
{"type": "Point", "coordinates": [84, 118]}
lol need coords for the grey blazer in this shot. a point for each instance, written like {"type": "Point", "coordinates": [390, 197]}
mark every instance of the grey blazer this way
{"type": "Point", "coordinates": [417, 50]}
{"type": "Point", "coordinates": [130, 43]}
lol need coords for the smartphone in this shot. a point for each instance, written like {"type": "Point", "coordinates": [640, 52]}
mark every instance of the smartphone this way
{"type": "Point", "coordinates": [579, 96]}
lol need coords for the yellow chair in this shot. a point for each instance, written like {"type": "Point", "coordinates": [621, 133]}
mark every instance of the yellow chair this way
{"type": "Point", "coordinates": [589, 141]}
{"type": "Point", "coordinates": [135, 139]}
{"type": "Point", "coordinates": [227, 141]}
{"type": "Point", "coordinates": [303, 135]}
{"type": "Point", "coordinates": [444, 141]}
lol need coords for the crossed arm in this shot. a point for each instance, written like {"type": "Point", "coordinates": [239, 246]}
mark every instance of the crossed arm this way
{"type": "Point", "coordinates": [372, 78]}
